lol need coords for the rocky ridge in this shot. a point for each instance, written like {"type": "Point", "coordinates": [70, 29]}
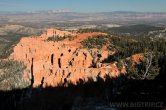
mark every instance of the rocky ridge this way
{"type": "Point", "coordinates": [63, 62]}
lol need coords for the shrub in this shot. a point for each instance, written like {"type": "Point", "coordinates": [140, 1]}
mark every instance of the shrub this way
{"type": "Point", "coordinates": [59, 38]}
{"type": "Point", "coordinates": [11, 75]}
{"type": "Point", "coordinates": [94, 42]}
{"type": "Point", "coordinates": [89, 30]}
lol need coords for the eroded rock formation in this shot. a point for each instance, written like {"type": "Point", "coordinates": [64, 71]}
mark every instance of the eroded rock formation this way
{"type": "Point", "coordinates": [63, 62]}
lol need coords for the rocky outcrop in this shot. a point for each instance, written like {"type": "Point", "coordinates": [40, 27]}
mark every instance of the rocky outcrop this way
{"type": "Point", "coordinates": [63, 62]}
{"type": "Point", "coordinates": [56, 32]}
{"type": "Point", "coordinates": [136, 59]}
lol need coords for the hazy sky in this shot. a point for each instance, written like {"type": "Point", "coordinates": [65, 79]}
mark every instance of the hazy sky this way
{"type": "Point", "coordinates": [84, 5]}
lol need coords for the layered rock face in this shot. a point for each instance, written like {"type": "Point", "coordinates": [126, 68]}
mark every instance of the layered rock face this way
{"type": "Point", "coordinates": [63, 62]}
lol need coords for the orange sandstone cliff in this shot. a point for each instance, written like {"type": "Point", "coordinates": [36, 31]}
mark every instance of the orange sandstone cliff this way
{"type": "Point", "coordinates": [63, 62]}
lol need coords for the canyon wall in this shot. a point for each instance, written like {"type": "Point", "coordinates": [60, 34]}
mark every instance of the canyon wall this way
{"type": "Point", "coordinates": [61, 63]}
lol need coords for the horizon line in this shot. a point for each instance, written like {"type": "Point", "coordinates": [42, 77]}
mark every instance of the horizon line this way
{"type": "Point", "coordinates": [65, 11]}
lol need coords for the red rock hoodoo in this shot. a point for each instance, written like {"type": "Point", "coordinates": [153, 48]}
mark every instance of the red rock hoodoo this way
{"type": "Point", "coordinates": [63, 62]}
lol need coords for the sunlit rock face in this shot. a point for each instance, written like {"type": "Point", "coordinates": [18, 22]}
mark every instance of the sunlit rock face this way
{"type": "Point", "coordinates": [63, 62]}
{"type": "Point", "coordinates": [56, 32]}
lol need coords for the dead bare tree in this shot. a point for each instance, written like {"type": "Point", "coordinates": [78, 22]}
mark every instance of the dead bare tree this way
{"type": "Point", "coordinates": [148, 64]}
